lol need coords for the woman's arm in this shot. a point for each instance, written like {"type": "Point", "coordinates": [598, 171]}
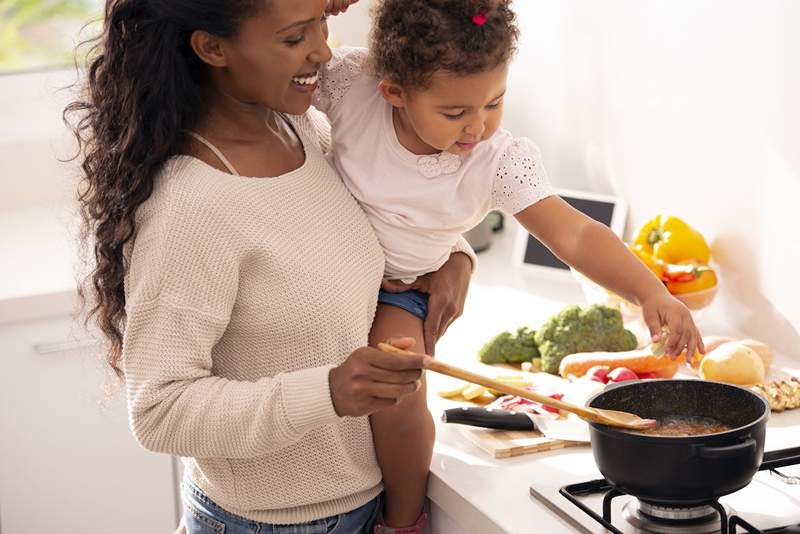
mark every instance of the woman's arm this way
{"type": "Point", "coordinates": [594, 250]}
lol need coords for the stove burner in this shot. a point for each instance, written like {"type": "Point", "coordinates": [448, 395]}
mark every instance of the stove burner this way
{"type": "Point", "coordinates": [708, 517]}
{"type": "Point", "coordinates": [674, 513]}
{"type": "Point", "coordinates": [647, 517]}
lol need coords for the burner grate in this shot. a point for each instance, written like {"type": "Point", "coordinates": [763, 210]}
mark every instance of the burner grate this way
{"type": "Point", "coordinates": [703, 517]}
{"type": "Point", "coordinates": [723, 523]}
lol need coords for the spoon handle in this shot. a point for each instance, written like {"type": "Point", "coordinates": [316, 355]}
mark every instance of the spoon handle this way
{"type": "Point", "coordinates": [475, 378]}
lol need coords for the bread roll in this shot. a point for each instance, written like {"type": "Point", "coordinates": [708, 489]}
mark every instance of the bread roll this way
{"type": "Point", "coordinates": [733, 363]}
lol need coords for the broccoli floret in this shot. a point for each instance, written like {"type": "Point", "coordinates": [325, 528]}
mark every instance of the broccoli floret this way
{"type": "Point", "coordinates": [595, 328]}
{"type": "Point", "coordinates": [506, 347]}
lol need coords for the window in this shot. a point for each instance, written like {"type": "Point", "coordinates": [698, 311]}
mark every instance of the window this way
{"type": "Point", "coordinates": [36, 34]}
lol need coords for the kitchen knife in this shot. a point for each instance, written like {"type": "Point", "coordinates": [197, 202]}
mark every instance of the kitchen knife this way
{"type": "Point", "coordinates": [488, 418]}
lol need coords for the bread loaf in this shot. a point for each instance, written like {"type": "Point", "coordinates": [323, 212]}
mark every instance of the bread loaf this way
{"type": "Point", "coordinates": [781, 394]}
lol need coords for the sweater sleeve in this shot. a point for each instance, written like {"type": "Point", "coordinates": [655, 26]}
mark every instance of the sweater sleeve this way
{"type": "Point", "coordinates": [181, 290]}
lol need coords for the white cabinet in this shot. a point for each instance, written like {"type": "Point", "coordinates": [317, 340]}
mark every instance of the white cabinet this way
{"type": "Point", "coordinates": [68, 462]}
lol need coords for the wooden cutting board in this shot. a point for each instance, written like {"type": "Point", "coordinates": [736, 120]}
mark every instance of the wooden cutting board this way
{"type": "Point", "coordinates": [508, 443]}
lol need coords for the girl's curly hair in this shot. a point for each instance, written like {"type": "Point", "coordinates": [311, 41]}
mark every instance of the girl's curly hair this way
{"type": "Point", "coordinates": [413, 39]}
{"type": "Point", "coordinates": [144, 89]}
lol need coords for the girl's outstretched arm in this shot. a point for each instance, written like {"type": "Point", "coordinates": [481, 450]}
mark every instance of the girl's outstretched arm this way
{"type": "Point", "coordinates": [593, 249]}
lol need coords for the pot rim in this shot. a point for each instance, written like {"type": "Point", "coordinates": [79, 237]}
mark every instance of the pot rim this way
{"type": "Point", "coordinates": [599, 427]}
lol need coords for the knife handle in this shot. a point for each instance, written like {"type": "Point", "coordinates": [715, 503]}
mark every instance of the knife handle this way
{"type": "Point", "coordinates": [488, 418]}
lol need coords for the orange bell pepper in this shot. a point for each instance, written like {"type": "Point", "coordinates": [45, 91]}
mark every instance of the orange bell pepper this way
{"type": "Point", "coordinates": [688, 278]}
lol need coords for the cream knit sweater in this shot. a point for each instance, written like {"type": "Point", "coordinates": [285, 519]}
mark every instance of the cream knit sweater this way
{"type": "Point", "coordinates": [242, 293]}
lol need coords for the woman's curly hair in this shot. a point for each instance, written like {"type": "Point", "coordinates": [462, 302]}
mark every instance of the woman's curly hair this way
{"type": "Point", "coordinates": [413, 39]}
{"type": "Point", "coordinates": [144, 89]}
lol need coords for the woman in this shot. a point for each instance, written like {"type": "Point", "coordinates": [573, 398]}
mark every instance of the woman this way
{"type": "Point", "coordinates": [236, 278]}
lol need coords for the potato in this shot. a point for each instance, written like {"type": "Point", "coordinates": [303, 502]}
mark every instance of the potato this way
{"type": "Point", "coordinates": [762, 349]}
{"type": "Point", "coordinates": [733, 363]}
{"type": "Point", "coordinates": [453, 391]}
{"type": "Point", "coordinates": [712, 342]}
{"type": "Point", "coordinates": [473, 391]}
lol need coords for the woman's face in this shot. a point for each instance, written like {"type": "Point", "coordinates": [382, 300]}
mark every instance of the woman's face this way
{"type": "Point", "coordinates": [274, 59]}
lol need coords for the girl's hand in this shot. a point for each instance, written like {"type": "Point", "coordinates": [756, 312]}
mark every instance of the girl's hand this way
{"type": "Point", "coordinates": [335, 7]}
{"type": "Point", "coordinates": [370, 379]}
{"type": "Point", "coordinates": [662, 309]}
{"type": "Point", "coordinates": [447, 291]}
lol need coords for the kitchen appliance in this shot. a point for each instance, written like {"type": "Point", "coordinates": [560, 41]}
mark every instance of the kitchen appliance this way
{"type": "Point", "coordinates": [769, 504]}
{"type": "Point", "coordinates": [480, 237]}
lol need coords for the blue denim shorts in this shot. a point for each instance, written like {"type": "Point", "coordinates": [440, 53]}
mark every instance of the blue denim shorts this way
{"type": "Point", "coordinates": [412, 301]}
{"type": "Point", "coordinates": [204, 516]}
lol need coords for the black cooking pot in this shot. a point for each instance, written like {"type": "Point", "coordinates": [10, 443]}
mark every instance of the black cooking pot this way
{"type": "Point", "coordinates": [681, 470]}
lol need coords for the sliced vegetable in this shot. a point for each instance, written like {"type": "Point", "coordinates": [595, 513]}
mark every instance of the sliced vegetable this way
{"type": "Point", "coordinates": [622, 374]}
{"type": "Point", "coordinates": [473, 391]}
{"type": "Point", "coordinates": [452, 392]}
{"type": "Point", "coordinates": [598, 373]}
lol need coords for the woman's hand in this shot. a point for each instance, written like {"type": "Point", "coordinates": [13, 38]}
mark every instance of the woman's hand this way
{"type": "Point", "coordinates": [447, 291]}
{"type": "Point", "coordinates": [370, 379]}
{"type": "Point", "coordinates": [335, 7]}
{"type": "Point", "coordinates": [662, 309]}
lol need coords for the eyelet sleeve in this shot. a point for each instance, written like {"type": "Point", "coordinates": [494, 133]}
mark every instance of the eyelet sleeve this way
{"type": "Point", "coordinates": [336, 77]}
{"type": "Point", "coordinates": [520, 178]}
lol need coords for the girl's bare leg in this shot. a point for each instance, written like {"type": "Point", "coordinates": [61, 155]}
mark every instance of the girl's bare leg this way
{"type": "Point", "coordinates": [403, 434]}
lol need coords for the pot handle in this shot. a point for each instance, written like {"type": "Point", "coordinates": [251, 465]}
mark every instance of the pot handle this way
{"type": "Point", "coordinates": [744, 448]}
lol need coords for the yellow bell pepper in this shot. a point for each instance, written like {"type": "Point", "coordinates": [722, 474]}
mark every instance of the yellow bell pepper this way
{"type": "Point", "coordinates": [652, 263]}
{"type": "Point", "coordinates": [671, 240]}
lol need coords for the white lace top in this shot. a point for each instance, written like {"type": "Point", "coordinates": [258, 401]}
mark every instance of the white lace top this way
{"type": "Point", "coordinates": [418, 205]}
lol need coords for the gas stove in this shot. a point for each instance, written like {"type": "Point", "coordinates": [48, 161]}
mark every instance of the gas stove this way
{"type": "Point", "coordinates": [770, 504]}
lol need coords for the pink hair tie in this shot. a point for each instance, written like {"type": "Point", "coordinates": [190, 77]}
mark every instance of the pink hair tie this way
{"type": "Point", "coordinates": [479, 19]}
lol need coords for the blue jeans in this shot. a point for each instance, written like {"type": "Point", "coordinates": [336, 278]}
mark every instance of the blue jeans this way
{"type": "Point", "coordinates": [413, 301]}
{"type": "Point", "coordinates": [204, 516]}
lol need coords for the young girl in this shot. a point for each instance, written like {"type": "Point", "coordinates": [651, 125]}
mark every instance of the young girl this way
{"type": "Point", "coordinates": [417, 139]}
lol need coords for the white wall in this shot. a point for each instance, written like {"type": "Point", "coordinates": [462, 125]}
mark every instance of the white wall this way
{"type": "Point", "coordinates": [681, 107]}
{"type": "Point", "coordinates": [33, 139]}
{"type": "Point", "coordinates": [688, 108]}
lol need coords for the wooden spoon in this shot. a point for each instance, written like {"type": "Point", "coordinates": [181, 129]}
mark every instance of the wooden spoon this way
{"type": "Point", "coordinates": [594, 415]}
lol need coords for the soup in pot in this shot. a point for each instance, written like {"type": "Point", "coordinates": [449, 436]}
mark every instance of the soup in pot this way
{"type": "Point", "coordinates": [683, 426]}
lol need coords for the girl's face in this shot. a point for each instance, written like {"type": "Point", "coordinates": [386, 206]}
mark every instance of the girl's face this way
{"type": "Point", "coordinates": [274, 59]}
{"type": "Point", "coordinates": [454, 113]}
